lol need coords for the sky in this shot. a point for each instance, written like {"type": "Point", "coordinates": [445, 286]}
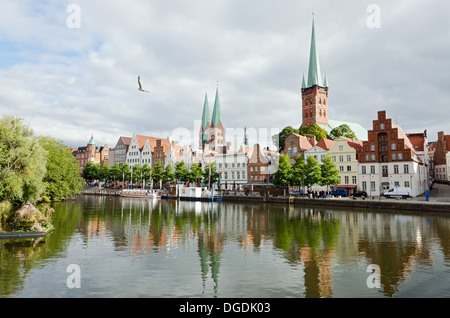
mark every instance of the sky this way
{"type": "Point", "coordinates": [70, 68]}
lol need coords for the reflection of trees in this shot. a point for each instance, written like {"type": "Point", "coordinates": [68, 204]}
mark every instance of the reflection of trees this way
{"type": "Point", "coordinates": [312, 238]}
{"type": "Point", "coordinates": [17, 258]}
{"type": "Point", "coordinates": [398, 244]}
{"type": "Point", "coordinates": [309, 237]}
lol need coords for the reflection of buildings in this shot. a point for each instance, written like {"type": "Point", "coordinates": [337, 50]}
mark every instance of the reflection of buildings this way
{"type": "Point", "coordinates": [315, 241]}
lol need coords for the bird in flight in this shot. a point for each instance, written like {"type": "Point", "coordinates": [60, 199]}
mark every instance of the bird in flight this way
{"type": "Point", "coordinates": [140, 85]}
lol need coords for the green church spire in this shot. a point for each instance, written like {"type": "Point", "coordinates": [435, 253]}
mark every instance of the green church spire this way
{"type": "Point", "coordinates": [314, 77]}
{"type": "Point", "coordinates": [216, 117]}
{"type": "Point", "coordinates": [205, 115]}
{"type": "Point", "coordinates": [303, 82]}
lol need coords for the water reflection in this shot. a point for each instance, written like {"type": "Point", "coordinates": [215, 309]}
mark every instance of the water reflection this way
{"type": "Point", "coordinates": [331, 248]}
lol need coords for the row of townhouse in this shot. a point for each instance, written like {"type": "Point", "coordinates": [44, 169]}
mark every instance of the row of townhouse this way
{"type": "Point", "coordinates": [344, 152]}
{"type": "Point", "coordinates": [389, 158]}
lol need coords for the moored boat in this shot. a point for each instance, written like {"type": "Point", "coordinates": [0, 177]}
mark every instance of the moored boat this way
{"type": "Point", "coordinates": [140, 193]}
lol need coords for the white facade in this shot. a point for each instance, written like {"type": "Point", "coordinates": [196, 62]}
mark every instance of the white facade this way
{"type": "Point", "coordinates": [136, 156]}
{"type": "Point", "coordinates": [442, 172]}
{"type": "Point", "coordinates": [233, 169]}
{"type": "Point", "coordinates": [378, 176]}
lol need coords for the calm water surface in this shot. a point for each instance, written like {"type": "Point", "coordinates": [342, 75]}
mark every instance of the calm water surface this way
{"type": "Point", "coordinates": [161, 248]}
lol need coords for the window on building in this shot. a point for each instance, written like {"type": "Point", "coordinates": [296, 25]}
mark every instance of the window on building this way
{"type": "Point", "coordinates": [407, 184]}
{"type": "Point", "coordinates": [393, 146]}
{"type": "Point", "coordinates": [395, 168]}
{"type": "Point", "coordinates": [295, 151]}
{"type": "Point", "coordinates": [349, 168]}
{"type": "Point", "coordinates": [349, 157]}
{"type": "Point", "coordinates": [406, 169]}
{"type": "Point", "coordinates": [384, 169]}
{"type": "Point", "coordinates": [373, 157]}
{"type": "Point", "coordinates": [363, 170]}
{"type": "Point", "coordinates": [367, 158]}
{"type": "Point", "coordinates": [341, 168]}
{"type": "Point", "coordinates": [372, 147]}
{"type": "Point", "coordinates": [364, 185]}
{"type": "Point", "coordinates": [353, 179]}
{"type": "Point", "coordinates": [341, 158]}
{"type": "Point", "coordinates": [372, 186]}
{"type": "Point", "coordinates": [341, 148]}
{"type": "Point", "coordinates": [334, 158]}
{"type": "Point", "coordinates": [372, 169]}
{"type": "Point", "coordinates": [346, 179]}
{"type": "Point", "coordinates": [400, 156]}
{"type": "Point", "coordinates": [289, 151]}
{"type": "Point", "coordinates": [394, 156]}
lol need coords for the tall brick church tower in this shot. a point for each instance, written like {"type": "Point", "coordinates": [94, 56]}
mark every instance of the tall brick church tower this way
{"type": "Point", "coordinates": [315, 91]}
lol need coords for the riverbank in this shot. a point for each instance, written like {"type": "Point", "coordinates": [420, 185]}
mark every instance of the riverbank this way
{"type": "Point", "coordinates": [418, 204]}
{"type": "Point", "coordinates": [385, 204]}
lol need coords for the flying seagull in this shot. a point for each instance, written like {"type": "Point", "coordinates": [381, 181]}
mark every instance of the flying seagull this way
{"type": "Point", "coordinates": [140, 86]}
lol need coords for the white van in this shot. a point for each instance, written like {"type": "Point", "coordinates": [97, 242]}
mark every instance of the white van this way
{"type": "Point", "coordinates": [398, 192]}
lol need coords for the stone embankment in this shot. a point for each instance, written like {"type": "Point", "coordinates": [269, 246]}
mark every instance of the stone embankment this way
{"type": "Point", "coordinates": [394, 205]}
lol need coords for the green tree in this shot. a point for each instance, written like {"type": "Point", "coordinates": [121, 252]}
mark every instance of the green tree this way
{"type": "Point", "coordinates": [342, 130]}
{"type": "Point", "coordinates": [279, 139]}
{"type": "Point", "coordinates": [314, 130]}
{"type": "Point", "coordinates": [328, 172]}
{"type": "Point", "coordinates": [195, 173]}
{"type": "Point", "coordinates": [210, 174]}
{"type": "Point", "coordinates": [90, 171]}
{"type": "Point", "coordinates": [158, 172]}
{"type": "Point", "coordinates": [169, 175]}
{"type": "Point", "coordinates": [103, 172]}
{"type": "Point", "coordinates": [298, 171]}
{"type": "Point", "coordinates": [136, 174]}
{"type": "Point", "coordinates": [62, 179]}
{"type": "Point", "coordinates": [146, 172]}
{"type": "Point", "coordinates": [181, 171]}
{"type": "Point", "coordinates": [312, 171]}
{"type": "Point", "coordinates": [115, 173]}
{"type": "Point", "coordinates": [22, 162]}
{"type": "Point", "coordinates": [125, 174]}
{"type": "Point", "coordinates": [284, 174]}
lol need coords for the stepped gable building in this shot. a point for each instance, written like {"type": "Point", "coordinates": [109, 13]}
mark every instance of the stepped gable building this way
{"type": "Point", "coordinates": [389, 159]}
{"type": "Point", "coordinates": [314, 94]}
{"type": "Point", "coordinates": [91, 153]}
{"type": "Point", "coordinates": [212, 132]}
{"type": "Point", "coordinates": [442, 157]}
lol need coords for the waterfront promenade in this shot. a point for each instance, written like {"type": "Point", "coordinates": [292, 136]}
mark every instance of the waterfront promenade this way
{"type": "Point", "coordinates": [439, 200]}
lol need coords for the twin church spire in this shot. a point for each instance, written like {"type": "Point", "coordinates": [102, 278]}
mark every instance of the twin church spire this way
{"type": "Point", "coordinates": [211, 128]}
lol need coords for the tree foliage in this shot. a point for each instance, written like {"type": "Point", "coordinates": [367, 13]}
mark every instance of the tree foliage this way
{"type": "Point", "coordinates": [284, 174]}
{"type": "Point", "coordinates": [342, 130]}
{"type": "Point", "coordinates": [22, 162]}
{"type": "Point", "coordinates": [62, 179]}
{"type": "Point", "coordinates": [314, 130]}
{"type": "Point", "coordinates": [34, 168]}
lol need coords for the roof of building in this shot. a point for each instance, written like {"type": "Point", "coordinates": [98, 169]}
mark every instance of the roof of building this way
{"type": "Point", "coordinates": [91, 141]}
{"type": "Point", "coordinates": [314, 76]}
{"type": "Point", "coordinates": [205, 115]}
{"type": "Point", "coordinates": [217, 116]}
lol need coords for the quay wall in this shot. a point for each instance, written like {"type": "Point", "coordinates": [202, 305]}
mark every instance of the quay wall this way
{"type": "Point", "coordinates": [394, 205]}
{"type": "Point", "coordinates": [385, 204]}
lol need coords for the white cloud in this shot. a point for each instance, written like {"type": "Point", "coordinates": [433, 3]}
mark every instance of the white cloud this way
{"type": "Point", "coordinates": [71, 83]}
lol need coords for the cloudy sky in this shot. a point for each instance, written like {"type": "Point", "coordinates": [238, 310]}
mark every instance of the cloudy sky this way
{"type": "Point", "coordinates": [70, 68]}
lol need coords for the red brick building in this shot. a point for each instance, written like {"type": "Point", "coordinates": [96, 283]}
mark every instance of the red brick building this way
{"type": "Point", "coordinates": [91, 153]}
{"type": "Point", "coordinates": [389, 159]}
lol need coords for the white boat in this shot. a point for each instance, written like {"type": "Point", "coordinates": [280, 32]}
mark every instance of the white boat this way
{"type": "Point", "coordinates": [140, 193]}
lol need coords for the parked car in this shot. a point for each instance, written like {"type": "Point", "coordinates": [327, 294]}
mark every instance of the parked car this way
{"type": "Point", "coordinates": [359, 194]}
{"type": "Point", "coordinates": [398, 192]}
{"type": "Point", "coordinates": [338, 191]}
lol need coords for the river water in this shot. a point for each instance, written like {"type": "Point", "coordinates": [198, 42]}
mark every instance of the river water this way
{"type": "Point", "coordinates": [121, 247]}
